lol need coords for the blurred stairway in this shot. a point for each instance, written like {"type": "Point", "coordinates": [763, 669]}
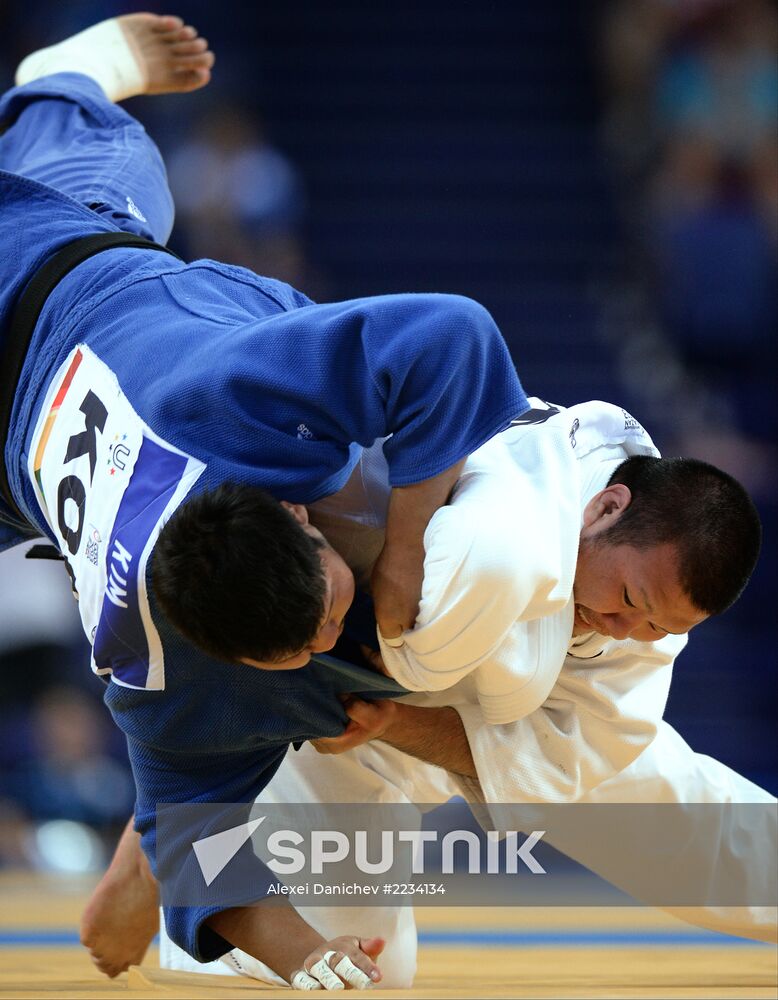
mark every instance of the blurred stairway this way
{"type": "Point", "coordinates": [452, 148]}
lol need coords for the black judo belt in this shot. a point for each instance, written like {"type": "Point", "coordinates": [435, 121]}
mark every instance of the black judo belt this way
{"type": "Point", "coordinates": [25, 316]}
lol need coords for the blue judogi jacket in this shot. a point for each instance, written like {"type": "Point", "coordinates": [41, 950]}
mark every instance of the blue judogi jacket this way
{"type": "Point", "coordinates": [250, 378]}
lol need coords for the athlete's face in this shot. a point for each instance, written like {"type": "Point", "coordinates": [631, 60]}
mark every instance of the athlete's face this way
{"type": "Point", "coordinates": [624, 592]}
{"type": "Point", "coordinates": [339, 594]}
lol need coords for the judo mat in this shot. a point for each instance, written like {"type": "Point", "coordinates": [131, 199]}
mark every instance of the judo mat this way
{"type": "Point", "coordinates": [500, 952]}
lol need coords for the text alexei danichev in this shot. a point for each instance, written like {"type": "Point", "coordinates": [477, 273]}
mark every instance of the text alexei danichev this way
{"type": "Point", "coordinates": [320, 889]}
{"type": "Point", "coordinates": [356, 889]}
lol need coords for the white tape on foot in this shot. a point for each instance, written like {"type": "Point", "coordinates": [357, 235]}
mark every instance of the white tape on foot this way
{"type": "Point", "coordinates": [101, 52]}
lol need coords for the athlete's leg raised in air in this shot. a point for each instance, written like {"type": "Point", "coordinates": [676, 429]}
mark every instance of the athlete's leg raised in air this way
{"type": "Point", "coordinates": [62, 127]}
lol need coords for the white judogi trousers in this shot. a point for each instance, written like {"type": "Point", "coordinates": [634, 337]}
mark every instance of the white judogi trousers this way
{"type": "Point", "coordinates": [667, 771]}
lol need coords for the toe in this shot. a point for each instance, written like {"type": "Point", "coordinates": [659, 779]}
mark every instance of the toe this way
{"type": "Point", "coordinates": [195, 47]}
{"type": "Point", "coordinates": [203, 60]}
{"type": "Point", "coordinates": [192, 79]}
{"type": "Point", "coordinates": [168, 22]}
{"type": "Point", "coordinates": [185, 34]}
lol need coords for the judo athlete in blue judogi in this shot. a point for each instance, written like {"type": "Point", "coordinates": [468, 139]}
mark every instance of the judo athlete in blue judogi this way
{"type": "Point", "coordinates": [147, 380]}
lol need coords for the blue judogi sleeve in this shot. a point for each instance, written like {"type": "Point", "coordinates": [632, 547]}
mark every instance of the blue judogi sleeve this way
{"type": "Point", "coordinates": [268, 388]}
{"type": "Point", "coordinates": [431, 370]}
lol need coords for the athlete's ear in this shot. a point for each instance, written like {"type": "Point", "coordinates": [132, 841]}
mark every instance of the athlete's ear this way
{"type": "Point", "coordinates": [606, 506]}
{"type": "Point", "coordinates": [298, 511]}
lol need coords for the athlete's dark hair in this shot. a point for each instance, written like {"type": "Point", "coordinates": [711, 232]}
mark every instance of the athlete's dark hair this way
{"type": "Point", "coordinates": [238, 576]}
{"type": "Point", "coordinates": [698, 508]}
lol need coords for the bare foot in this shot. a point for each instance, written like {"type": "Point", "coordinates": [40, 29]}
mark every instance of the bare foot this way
{"type": "Point", "coordinates": [122, 915]}
{"type": "Point", "coordinates": [129, 55]}
{"type": "Point", "coordinates": [171, 57]}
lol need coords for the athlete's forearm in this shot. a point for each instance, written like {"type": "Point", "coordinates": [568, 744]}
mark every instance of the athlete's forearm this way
{"type": "Point", "coordinates": [434, 735]}
{"type": "Point", "coordinates": [399, 571]}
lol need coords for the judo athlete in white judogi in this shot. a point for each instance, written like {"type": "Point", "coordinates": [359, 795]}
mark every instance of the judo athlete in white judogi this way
{"type": "Point", "coordinates": [552, 710]}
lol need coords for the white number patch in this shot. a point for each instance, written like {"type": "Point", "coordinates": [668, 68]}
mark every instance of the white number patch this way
{"type": "Point", "coordinates": [106, 484]}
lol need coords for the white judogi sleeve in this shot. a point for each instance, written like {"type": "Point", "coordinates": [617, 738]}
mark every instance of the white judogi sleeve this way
{"type": "Point", "coordinates": [498, 576]}
{"type": "Point", "coordinates": [500, 559]}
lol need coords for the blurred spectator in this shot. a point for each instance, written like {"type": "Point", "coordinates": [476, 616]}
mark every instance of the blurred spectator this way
{"type": "Point", "coordinates": [717, 106]}
{"type": "Point", "coordinates": [60, 756]}
{"type": "Point", "coordinates": [69, 772]}
{"type": "Point", "coordinates": [693, 107]}
{"type": "Point", "coordinates": [715, 196]}
{"type": "Point", "coordinates": [633, 35]}
{"type": "Point", "coordinates": [693, 96]}
{"type": "Point", "coordinates": [238, 198]}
